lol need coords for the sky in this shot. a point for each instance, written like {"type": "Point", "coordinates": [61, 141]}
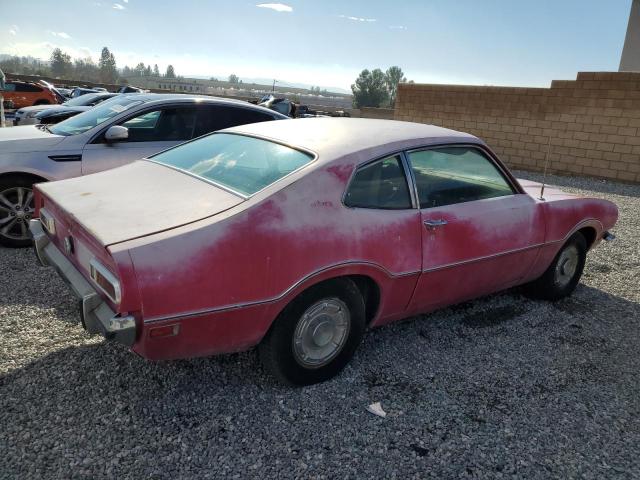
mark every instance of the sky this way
{"type": "Point", "coordinates": [328, 42]}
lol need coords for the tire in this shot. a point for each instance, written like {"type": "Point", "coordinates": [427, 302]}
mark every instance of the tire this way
{"type": "Point", "coordinates": [42, 102]}
{"type": "Point", "coordinates": [316, 335]}
{"type": "Point", "coordinates": [563, 275]}
{"type": "Point", "coordinates": [16, 191]}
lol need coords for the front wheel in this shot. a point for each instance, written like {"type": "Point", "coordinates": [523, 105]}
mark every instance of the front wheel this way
{"type": "Point", "coordinates": [16, 209]}
{"type": "Point", "coordinates": [563, 275]}
{"type": "Point", "coordinates": [316, 335]}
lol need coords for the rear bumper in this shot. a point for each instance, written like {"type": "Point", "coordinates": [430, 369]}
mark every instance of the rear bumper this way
{"type": "Point", "coordinates": [96, 315]}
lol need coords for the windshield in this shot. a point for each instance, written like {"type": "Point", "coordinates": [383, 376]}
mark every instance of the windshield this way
{"type": "Point", "coordinates": [242, 164]}
{"type": "Point", "coordinates": [82, 101]}
{"type": "Point", "coordinates": [91, 118]}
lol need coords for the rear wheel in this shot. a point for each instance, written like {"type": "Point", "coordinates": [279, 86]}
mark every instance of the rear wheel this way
{"type": "Point", "coordinates": [16, 209]}
{"type": "Point", "coordinates": [316, 335]}
{"type": "Point", "coordinates": [563, 275]}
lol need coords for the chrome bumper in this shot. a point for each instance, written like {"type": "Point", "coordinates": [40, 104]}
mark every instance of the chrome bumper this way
{"type": "Point", "coordinates": [96, 315]}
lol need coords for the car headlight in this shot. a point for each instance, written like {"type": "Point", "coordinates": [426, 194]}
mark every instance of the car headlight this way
{"type": "Point", "coordinates": [105, 280]}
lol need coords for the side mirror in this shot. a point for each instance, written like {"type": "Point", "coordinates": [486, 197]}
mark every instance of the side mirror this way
{"type": "Point", "coordinates": [116, 133]}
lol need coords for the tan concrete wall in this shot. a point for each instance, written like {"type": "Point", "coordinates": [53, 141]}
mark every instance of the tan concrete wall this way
{"type": "Point", "coordinates": [593, 121]}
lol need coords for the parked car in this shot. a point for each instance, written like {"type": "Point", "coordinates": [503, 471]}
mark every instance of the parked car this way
{"type": "Point", "coordinates": [79, 91]}
{"type": "Point", "coordinates": [25, 94]}
{"type": "Point", "coordinates": [131, 89]}
{"type": "Point", "coordinates": [116, 132]}
{"type": "Point", "coordinates": [65, 92]}
{"type": "Point", "coordinates": [297, 236]}
{"type": "Point", "coordinates": [48, 114]}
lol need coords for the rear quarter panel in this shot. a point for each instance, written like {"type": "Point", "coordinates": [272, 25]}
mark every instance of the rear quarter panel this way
{"type": "Point", "coordinates": [250, 261]}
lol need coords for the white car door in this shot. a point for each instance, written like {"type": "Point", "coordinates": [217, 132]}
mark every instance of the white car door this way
{"type": "Point", "coordinates": [150, 131]}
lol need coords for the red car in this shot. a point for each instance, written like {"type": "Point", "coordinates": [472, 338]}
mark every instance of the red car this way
{"type": "Point", "coordinates": [296, 236]}
{"type": "Point", "coordinates": [25, 94]}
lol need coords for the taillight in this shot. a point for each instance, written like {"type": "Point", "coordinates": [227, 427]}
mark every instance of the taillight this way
{"type": "Point", "coordinates": [105, 280]}
{"type": "Point", "coordinates": [47, 221]}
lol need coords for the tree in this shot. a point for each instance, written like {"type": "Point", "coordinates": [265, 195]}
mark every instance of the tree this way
{"type": "Point", "coordinates": [147, 71]}
{"type": "Point", "coordinates": [370, 89]}
{"type": "Point", "coordinates": [171, 73]}
{"type": "Point", "coordinates": [86, 69]}
{"type": "Point", "coordinates": [393, 77]}
{"type": "Point", "coordinates": [156, 71]}
{"type": "Point", "coordinates": [233, 78]}
{"type": "Point", "coordinates": [107, 65]}
{"type": "Point", "coordinates": [139, 69]}
{"type": "Point", "coordinates": [61, 65]}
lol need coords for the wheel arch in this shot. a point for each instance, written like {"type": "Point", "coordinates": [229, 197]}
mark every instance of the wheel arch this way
{"type": "Point", "coordinates": [590, 234]}
{"type": "Point", "coordinates": [368, 278]}
{"type": "Point", "coordinates": [36, 177]}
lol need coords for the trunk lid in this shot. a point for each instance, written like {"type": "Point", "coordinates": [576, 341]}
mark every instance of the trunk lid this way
{"type": "Point", "coordinates": [136, 200]}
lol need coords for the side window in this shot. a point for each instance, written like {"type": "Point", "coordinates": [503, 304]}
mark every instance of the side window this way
{"type": "Point", "coordinates": [380, 184]}
{"type": "Point", "coordinates": [213, 118]}
{"type": "Point", "coordinates": [27, 87]}
{"type": "Point", "coordinates": [445, 176]}
{"type": "Point", "coordinates": [9, 87]}
{"type": "Point", "coordinates": [162, 125]}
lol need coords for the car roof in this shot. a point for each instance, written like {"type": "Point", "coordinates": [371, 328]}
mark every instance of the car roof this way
{"type": "Point", "coordinates": [332, 138]}
{"type": "Point", "coordinates": [148, 98]}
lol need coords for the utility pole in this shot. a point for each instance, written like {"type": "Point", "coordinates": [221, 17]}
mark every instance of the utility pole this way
{"type": "Point", "coordinates": [630, 60]}
{"type": "Point", "coordinates": [273, 88]}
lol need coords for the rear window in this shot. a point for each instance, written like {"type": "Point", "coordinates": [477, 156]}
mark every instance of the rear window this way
{"type": "Point", "coordinates": [242, 164]}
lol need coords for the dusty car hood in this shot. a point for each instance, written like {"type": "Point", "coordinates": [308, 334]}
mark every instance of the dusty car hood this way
{"type": "Point", "coordinates": [28, 138]}
{"type": "Point", "coordinates": [136, 200]}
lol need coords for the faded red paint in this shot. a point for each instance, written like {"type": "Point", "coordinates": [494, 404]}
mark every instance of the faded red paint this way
{"type": "Point", "coordinates": [225, 278]}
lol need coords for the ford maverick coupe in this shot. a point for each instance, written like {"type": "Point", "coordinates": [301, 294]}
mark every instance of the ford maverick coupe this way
{"type": "Point", "coordinates": [298, 236]}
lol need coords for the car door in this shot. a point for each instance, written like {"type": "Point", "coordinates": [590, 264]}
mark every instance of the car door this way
{"type": "Point", "coordinates": [150, 131]}
{"type": "Point", "coordinates": [480, 233]}
{"type": "Point", "coordinates": [385, 223]}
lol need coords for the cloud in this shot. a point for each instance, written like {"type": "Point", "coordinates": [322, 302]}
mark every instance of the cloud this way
{"type": "Point", "coordinates": [359, 19]}
{"type": "Point", "coordinates": [64, 35]}
{"type": "Point", "coordinates": [117, 6]}
{"type": "Point", "coordinates": [397, 27]}
{"type": "Point", "coordinates": [125, 1]}
{"type": "Point", "coordinates": [14, 29]}
{"type": "Point", "coordinates": [278, 7]}
{"type": "Point", "coordinates": [43, 50]}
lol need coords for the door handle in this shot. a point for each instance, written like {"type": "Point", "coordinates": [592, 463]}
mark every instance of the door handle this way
{"type": "Point", "coordinates": [432, 224]}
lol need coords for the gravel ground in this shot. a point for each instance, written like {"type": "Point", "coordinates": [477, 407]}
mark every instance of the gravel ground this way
{"type": "Point", "coordinates": [495, 388]}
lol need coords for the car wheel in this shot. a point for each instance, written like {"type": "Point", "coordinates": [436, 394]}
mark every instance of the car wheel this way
{"type": "Point", "coordinates": [563, 275]}
{"type": "Point", "coordinates": [41, 102]}
{"type": "Point", "coordinates": [316, 335]}
{"type": "Point", "coordinates": [16, 209]}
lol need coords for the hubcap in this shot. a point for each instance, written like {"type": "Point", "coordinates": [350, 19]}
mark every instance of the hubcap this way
{"type": "Point", "coordinates": [16, 209]}
{"type": "Point", "coordinates": [321, 333]}
{"type": "Point", "coordinates": [567, 265]}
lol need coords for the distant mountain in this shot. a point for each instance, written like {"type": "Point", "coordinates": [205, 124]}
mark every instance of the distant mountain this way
{"type": "Point", "coordinates": [269, 81]}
